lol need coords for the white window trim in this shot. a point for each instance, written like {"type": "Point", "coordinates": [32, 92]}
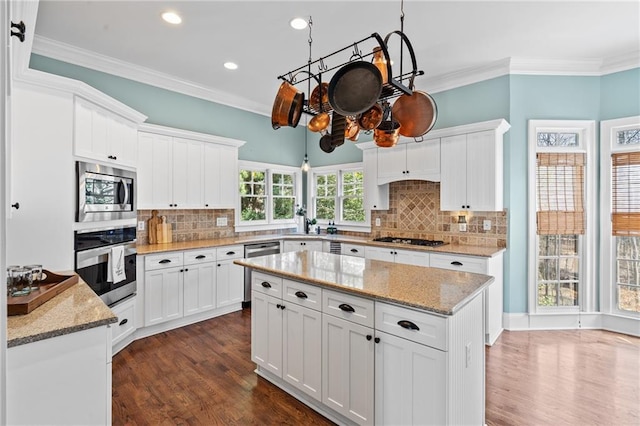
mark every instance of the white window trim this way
{"type": "Point", "coordinates": [269, 223]}
{"type": "Point", "coordinates": [337, 168]}
{"type": "Point", "coordinates": [587, 288]}
{"type": "Point", "coordinates": [608, 129]}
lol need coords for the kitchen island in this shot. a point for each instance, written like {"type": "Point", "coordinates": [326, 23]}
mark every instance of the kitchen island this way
{"type": "Point", "coordinates": [365, 341]}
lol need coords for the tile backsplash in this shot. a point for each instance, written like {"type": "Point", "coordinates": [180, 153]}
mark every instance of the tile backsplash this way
{"type": "Point", "coordinates": [414, 212]}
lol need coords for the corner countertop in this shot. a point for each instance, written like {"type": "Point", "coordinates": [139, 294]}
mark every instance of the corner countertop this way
{"type": "Point", "coordinates": [481, 251]}
{"type": "Point", "coordinates": [75, 309]}
{"type": "Point", "coordinates": [435, 290]}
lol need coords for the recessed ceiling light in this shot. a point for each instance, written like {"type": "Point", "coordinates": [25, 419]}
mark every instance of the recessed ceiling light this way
{"type": "Point", "coordinates": [172, 18]}
{"type": "Point", "coordinates": [231, 65]}
{"type": "Point", "coordinates": [298, 23]}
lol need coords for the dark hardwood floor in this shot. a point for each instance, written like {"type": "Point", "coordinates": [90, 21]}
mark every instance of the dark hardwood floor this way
{"type": "Point", "coordinates": [202, 374]}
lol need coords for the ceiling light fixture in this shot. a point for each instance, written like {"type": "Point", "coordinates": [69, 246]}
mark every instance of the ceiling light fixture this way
{"type": "Point", "coordinates": [231, 65]}
{"type": "Point", "coordinates": [298, 23]}
{"type": "Point", "coordinates": [172, 18]}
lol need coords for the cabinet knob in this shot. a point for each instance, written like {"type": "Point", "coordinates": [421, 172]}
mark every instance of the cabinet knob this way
{"type": "Point", "coordinates": [377, 340]}
{"type": "Point", "coordinates": [468, 207]}
{"type": "Point", "coordinates": [375, 207]}
{"type": "Point", "coordinates": [16, 206]}
{"type": "Point", "coordinates": [21, 27]}
{"type": "Point", "coordinates": [407, 171]}
{"type": "Point", "coordinates": [278, 306]}
{"type": "Point", "coordinates": [206, 205]}
{"type": "Point", "coordinates": [369, 337]}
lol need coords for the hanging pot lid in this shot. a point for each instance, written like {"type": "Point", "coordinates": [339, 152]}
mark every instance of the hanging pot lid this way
{"type": "Point", "coordinates": [355, 88]}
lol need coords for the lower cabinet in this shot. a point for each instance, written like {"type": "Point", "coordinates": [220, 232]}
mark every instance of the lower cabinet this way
{"type": "Point", "coordinates": [163, 295]}
{"type": "Point", "coordinates": [230, 277]}
{"type": "Point", "coordinates": [295, 245]}
{"type": "Point", "coordinates": [409, 257]}
{"type": "Point", "coordinates": [126, 325]}
{"type": "Point", "coordinates": [266, 332]}
{"type": "Point", "coordinates": [199, 288]}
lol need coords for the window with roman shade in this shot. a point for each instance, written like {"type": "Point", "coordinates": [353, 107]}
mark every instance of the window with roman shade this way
{"type": "Point", "coordinates": [625, 193]}
{"type": "Point", "coordinates": [560, 193]}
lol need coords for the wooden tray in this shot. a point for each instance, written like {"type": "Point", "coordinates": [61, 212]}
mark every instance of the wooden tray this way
{"type": "Point", "coordinates": [51, 286]}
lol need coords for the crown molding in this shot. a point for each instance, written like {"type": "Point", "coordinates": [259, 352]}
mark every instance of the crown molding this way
{"type": "Point", "coordinates": [95, 61]}
{"type": "Point", "coordinates": [619, 63]}
{"type": "Point", "coordinates": [188, 134]}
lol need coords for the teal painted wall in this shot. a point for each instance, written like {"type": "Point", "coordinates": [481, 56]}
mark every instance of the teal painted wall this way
{"type": "Point", "coordinates": [516, 98]}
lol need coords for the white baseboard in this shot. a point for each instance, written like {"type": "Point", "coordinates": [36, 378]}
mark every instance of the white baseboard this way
{"type": "Point", "coordinates": [571, 321]}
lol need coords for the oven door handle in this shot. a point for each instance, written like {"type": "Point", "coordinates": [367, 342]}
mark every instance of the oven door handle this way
{"type": "Point", "coordinates": [91, 257]}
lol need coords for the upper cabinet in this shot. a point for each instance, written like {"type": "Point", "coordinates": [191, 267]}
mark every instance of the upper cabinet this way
{"type": "Point", "coordinates": [376, 197]}
{"type": "Point", "coordinates": [410, 160]}
{"type": "Point", "coordinates": [104, 136]}
{"type": "Point", "coordinates": [186, 170]}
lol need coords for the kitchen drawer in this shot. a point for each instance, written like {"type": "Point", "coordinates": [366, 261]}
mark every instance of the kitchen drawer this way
{"type": "Point", "coordinates": [340, 305]}
{"type": "Point", "coordinates": [199, 256]}
{"type": "Point", "coordinates": [302, 294]}
{"type": "Point", "coordinates": [477, 265]}
{"type": "Point", "coordinates": [352, 250]}
{"type": "Point", "coordinates": [126, 313]}
{"type": "Point", "coordinates": [230, 252]}
{"type": "Point", "coordinates": [267, 284]}
{"type": "Point", "coordinates": [420, 327]}
{"type": "Point", "coordinates": [163, 260]}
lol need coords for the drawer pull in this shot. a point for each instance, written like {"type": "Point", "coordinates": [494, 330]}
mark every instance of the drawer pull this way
{"type": "Point", "coordinates": [231, 253]}
{"type": "Point", "coordinates": [408, 325]}
{"type": "Point", "coordinates": [346, 308]}
{"type": "Point", "coordinates": [165, 261]}
{"type": "Point", "coordinates": [456, 263]}
{"type": "Point", "coordinates": [200, 256]}
{"type": "Point", "coordinates": [265, 284]}
{"type": "Point", "coordinates": [301, 294]}
{"type": "Point", "coordinates": [354, 250]}
{"type": "Point", "coordinates": [124, 321]}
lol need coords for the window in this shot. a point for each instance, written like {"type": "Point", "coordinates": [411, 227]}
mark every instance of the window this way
{"type": "Point", "coordinates": [268, 195]}
{"type": "Point", "coordinates": [620, 236]}
{"type": "Point", "coordinates": [559, 193]}
{"type": "Point", "coordinates": [338, 195]}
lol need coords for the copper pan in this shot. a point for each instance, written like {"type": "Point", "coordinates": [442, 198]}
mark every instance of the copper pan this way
{"type": "Point", "coordinates": [287, 107]}
{"type": "Point", "coordinates": [371, 118]}
{"type": "Point", "coordinates": [386, 134]}
{"type": "Point", "coordinates": [417, 113]}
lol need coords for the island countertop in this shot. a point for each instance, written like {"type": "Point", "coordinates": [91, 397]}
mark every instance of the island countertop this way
{"type": "Point", "coordinates": [75, 309]}
{"type": "Point", "coordinates": [435, 290]}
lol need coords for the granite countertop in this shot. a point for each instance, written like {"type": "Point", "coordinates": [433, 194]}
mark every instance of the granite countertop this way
{"type": "Point", "coordinates": [75, 309]}
{"type": "Point", "coordinates": [431, 289]}
{"type": "Point", "coordinates": [481, 251]}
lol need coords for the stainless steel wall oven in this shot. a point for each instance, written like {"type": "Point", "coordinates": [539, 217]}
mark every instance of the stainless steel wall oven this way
{"type": "Point", "coordinates": [93, 249]}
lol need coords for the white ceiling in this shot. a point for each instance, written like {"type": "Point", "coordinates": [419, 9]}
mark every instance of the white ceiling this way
{"type": "Point", "coordinates": [450, 38]}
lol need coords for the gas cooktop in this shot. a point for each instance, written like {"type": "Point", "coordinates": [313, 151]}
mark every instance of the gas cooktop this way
{"type": "Point", "coordinates": [411, 241]}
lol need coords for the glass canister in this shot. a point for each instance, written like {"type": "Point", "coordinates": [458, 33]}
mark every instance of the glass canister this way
{"type": "Point", "coordinates": [20, 281]}
{"type": "Point", "coordinates": [36, 276]}
{"type": "Point", "coordinates": [380, 62]}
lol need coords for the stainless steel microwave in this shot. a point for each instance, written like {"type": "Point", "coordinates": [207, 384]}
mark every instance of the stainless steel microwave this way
{"type": "Point", "coordinates": [104, 193]}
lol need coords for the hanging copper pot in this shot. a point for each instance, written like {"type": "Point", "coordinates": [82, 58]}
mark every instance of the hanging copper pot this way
{"type": "Point", "coordinates": [417, 113]}
{"type": "Point", "coordinates": [352, 130]}
{"type": "Point", "coordinates": [371, 118]}
{"type": "Point", "coordinates": [319, 122]}
{"type": "Point", "coordinates": [319, 98]}
{"type": "Point", "coordinates": [287, 107]}
{"type": "Point", "coordinates": [386, 135]}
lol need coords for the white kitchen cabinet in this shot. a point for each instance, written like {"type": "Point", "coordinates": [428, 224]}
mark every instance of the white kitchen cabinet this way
{"type": "Point", "coordinates": [409, 160]}
{"type": "Point", "coordinates": [403, 394]}
{"type": "Point", "coordinates": [301, 348]}
{"type": "Point", "coordinates": [230, 277]}
{"type": "Point", "coordinates": [493, 294]}
{"type": "Point", "coordinates": [266, 322]}
{"type": "Point", "coordinates": [296, 245]}
{"type": "Point", "coordinates": [352, 249]}
{"type": "Point", "coordinates": [220, 176]}
{"type": "Point", "coordinates": [104, 136]}
{"type": "Point", "coordinates": [61, 380]}
{"type": "Point", "coordinates": [409, 257]}
{"type": "Point", "coordinates": [199, 287]}
{"type": "Point", "coordinates": [471, 177]}
{"type": "Point", "coordinates": [376, 197]}
{"type": "Point", "coordinates": [126, 325]}
{"type": "Point", "coordinates": [186, 170]}
{"type": "Point", "coordinates": [163, 288]}
{"type": "Point", "coordinates": [348, 368]}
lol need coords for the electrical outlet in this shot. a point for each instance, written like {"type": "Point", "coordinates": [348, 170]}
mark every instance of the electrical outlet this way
{"type": "Point", "coordinates": [486, 225]}
{"type": "Point", "coordinates": [221, 221]}
{"type": "Point", "coordinates": [141, 225]}
{"type": "Point", "coordinates": [377, 221]}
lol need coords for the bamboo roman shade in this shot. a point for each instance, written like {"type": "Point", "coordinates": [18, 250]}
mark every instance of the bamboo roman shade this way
{"type": "Point", "coordinates": [625, 191]}
{"type": "Point", "coordinates": [560, 193]}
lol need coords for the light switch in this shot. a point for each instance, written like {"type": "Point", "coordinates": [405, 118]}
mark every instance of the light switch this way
{"type": "Point", "coordinates": [377, 221]}
{"type": "Point", "coordinates": [141, 225]}
{"type": "Point", "coordinates": [221, 221]}
{"type": "Point", "coordinates": [486, 225]}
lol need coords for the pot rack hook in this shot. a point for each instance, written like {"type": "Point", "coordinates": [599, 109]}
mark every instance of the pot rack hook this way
{"type": "Point", "coordinates": [357, 53]}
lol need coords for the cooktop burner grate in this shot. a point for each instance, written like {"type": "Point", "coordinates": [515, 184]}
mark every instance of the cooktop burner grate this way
{"type": "Point", "coordinates": [410, 241]}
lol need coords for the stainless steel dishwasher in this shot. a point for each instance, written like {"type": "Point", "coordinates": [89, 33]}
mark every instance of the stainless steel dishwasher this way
{"type": "Point", "coordinates": [255, 250]}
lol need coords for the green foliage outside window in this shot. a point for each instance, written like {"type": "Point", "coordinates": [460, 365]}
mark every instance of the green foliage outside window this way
{"type": "Point", "coordinates": [252, 195]}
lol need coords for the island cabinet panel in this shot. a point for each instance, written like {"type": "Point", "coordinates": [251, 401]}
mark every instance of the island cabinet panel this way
{"type": "Point", "coordinates": [410, 382]}
{"type": "Point", "coordinates": [348, 369]}
{"type": "Point", "coordinates": [266, 332]}
{"type": "Point", "coordinates": [391, 254]}
{"type": "Point", "coordinates": [351, 308]}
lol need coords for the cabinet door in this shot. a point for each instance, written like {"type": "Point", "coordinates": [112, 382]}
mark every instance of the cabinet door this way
{"type": "Point", "coordinates": [379, 253]}
{"type": "Point", "coordinates": [266, 332]}
{"type": "Point", "coordinates": [199, 288]}
{"type": "Point", "coordinates": [220, 176]}
{"type": "Point", "coordinates": [161, 175]}
{"type": "Point", "coordinates": [410, 382]}
{"type": "Point", "coordinates": [230, 285]}
{"type": "Point", "coordinates": [302, 337]}
{"type": "Point", "coordinates": [313, 245]}
{"type": "Point", "coordinates": [82, 125]}
{"type": "Point", "coordinates": [99, 125]}
{"type": "Point", "coordinates": [376, 197]}
{"type": "Point", "coordinates": [410, 257]}
{"type": "Point", "coordinates": [163, 295]}
{"type": "Point", "coordinates": [347, 368]}
{"type": "Point", "coordinates": [121, 142]}
{"type": "Point", "coordinates": [288, 246]}
{"type": "Point", "coordinates": [126, 313]}
{"type": "Point", "coordinates": [187, 173]}
{"type": "Point", "coordinates": [453, 173]}
{"type": "Point", "coordinates": [484, 171]}
{"type": "Point", "coordinates": [423, 160]}
{"type": "Point", "coordinates": [392, 164]}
